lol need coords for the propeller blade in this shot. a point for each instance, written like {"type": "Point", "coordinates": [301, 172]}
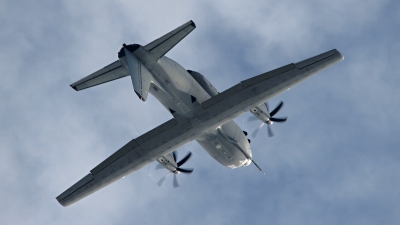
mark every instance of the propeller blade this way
{"type": "Point", "coordinates": [176, 184]}
{"type": "Point", "coordinates": [252, 118]}
{"type": "Point", "coordinates": [187, 157]}
{"type": "Point", "coordinates": [159, 166]}
{"type": "Point", "coordinates": [270, 133]}
{"type": "Point", "coordinates": [279, 120]}
{"type": "Point", "coordinates": [161, 181]}
{"type": "Point", "coordinates": [175, 155]}
{"type": "Point", "coordinates": [255, 132]}
{"type": "Point", "coordinates": [266, 105]}
{"type": "Point", "coordinates": [276, 109]}
{"type": "Point", "coordinates": [190, 170]}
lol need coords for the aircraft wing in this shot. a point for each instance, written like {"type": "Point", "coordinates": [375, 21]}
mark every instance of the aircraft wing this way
{"type": "Point", "coordinates": [134, 155]}
{"type": "Point", "coordinates": [207, 116]}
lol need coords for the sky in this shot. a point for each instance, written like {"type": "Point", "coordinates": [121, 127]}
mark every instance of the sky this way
{"type": "Point", "coordinates": [335, 161]}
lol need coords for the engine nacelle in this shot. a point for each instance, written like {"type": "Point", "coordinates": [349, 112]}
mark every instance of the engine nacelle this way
{"type": "Point", "coordinates": [218, 146]}
{"type": "Point", "coordinates": [261, 112]}
{"type": "Point", "coordinates": [168, 162]}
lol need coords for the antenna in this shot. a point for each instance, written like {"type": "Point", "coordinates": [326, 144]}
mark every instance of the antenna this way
{"type": "Point", "coordinates": [257, 166]}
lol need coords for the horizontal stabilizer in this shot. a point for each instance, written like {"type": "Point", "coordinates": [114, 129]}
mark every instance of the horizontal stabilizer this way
{"type": "Point", "coordinates": [109, 73]}
{"type": "Point", "coordinates": [162, 45]}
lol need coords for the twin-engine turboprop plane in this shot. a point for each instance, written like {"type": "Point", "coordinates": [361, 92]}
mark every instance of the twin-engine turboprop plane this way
{"type": "Point", "coordinates": [200, 112]}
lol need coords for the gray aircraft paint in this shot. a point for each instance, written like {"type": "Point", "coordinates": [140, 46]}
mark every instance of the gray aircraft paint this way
{"type": "Point", "coordinates": [197, 115]}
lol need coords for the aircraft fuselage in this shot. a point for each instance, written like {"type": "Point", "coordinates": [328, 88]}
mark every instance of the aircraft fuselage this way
{"type": "Point", "coordinates": [200, 112]}
{"type": "Point", "coordinates": [175, 88]}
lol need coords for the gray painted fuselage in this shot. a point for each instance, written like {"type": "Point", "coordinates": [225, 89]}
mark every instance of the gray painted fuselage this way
{"type": "Point", "coordinates": [200, 112]}
{"type": "Point", "coordinates": [206, 122]}
{"type": "Point", "coordinates": [174, 87]}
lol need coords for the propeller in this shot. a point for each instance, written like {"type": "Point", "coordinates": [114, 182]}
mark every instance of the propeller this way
{"type": "Point", "coordinates": [178, 169]}
{"type": "Point", "coordinates": [269, 121]}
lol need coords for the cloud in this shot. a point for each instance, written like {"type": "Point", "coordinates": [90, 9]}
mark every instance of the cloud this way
{"type": "Point", "coordinates": [334, 160]}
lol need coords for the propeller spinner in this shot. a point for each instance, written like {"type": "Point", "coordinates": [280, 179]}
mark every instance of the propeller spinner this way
{"type": "Point", "coordinates": [177, 170]}
{"type": "Point", "coordinates": [269, 120]}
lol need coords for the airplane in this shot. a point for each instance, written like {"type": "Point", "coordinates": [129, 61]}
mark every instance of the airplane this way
{"type": "Point", "coordinates": [199, 111]}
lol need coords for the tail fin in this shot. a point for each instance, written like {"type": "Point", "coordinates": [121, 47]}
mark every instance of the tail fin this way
{"type": "Point", "coordinates": [137, 59]}
{"type": "Point", "coordinates": [135, 62]}
{"type": "Point", "coordinates": [140, 75]}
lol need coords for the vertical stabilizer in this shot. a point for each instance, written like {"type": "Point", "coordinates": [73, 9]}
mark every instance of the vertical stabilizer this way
{"type": "Point", "coordinates": [141, 76]}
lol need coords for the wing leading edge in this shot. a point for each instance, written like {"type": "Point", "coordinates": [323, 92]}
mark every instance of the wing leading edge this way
{"type": "Point", "coordinates": [209, 115]}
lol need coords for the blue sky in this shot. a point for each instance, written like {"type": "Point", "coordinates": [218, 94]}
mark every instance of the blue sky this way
{"type": "Point", "coordinates": [335, 161]}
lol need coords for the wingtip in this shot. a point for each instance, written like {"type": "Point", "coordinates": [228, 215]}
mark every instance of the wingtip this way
{"type": "Point", "coordinates": [74, 87]}
{"type": "Point", "coordinates": [63, 205]}
{"type": "Point", "coordinates": [193, 24]}
{"type": "Point", "coordinates": [341, 57]}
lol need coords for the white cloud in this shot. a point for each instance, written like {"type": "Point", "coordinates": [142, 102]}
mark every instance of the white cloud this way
{"type": "Point", "coordinates": [334, 160]}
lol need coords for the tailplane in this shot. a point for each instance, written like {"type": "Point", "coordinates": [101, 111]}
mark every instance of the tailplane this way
{"type": "Point", "coordinates": [162, 45]}
{"type": "Point", "coordinates": [137, 61]}
{"type": "Point", "coordinates": [109, 73]}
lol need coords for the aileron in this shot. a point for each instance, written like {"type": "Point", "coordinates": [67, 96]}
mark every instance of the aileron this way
{"type": "Point", "coordinates": [267, 75]}
{"type": "Point", "coordinates": [315, 59]}
{"type": "Point", "coordinates": [86, 179]}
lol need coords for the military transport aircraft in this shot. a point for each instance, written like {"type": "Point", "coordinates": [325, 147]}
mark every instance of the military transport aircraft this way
{"type": "Point", "coordinates": [199, 111]}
